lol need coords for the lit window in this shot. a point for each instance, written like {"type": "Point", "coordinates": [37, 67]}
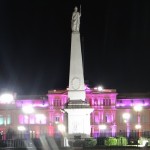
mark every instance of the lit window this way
{"type": "Point", "coordinates": [8, 120]}
{"type": "Point", "coordinates": [1, 120]}
{"type": "Point", "coordinates": [96, 119]}
{"type": "Point", "coordinates": [57, 119]}
{"type": "Point", "coordinates": [32, 119]}
{"type": "Point", "coordinates": [5, 120]}
{"type": "Point", "coordinates": [21, 119]}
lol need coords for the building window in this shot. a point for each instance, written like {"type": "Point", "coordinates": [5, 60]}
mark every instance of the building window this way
{"type": "Point", "coordinates": [1, 120]}
{"type": "Point", "coordinates": [95, 102]}
{"type": "Point", "coordinates": [108, 118]}
{"type": "Point", "coordinates": [57, 119]}
{"type": "Point", "coordinates": [57, 102]}
{"type": "Point", "coordinates": [96, 119]}
{"type": "Point", "coordinates": [106, 102]}
{"type": "Point", "coordinates": [5, 120]}
{"type": "Point", "coordinates": [32, 119]}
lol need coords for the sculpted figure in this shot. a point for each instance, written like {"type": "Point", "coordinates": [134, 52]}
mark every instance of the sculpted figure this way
{"type": "Point", "coordinates": [75, 22]}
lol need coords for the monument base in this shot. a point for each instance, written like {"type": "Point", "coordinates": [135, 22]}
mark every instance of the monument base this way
{"type": "Point", "coordinates": [78, 119]}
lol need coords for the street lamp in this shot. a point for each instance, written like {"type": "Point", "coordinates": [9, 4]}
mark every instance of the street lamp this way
{"type": "Point", "coordinates": [61, 128]}
{"type": "Point", "coordinates": [126, 117]}
{"type": "Point", "coordinates": [41, 119]}
{"type": "Point", "coordinates": [100, 88]}
{"type": "Point", "coordinates": [64, 139]}
{"type": "Point", "coordinates": [102, 127]}
{"type": "Point", "coordinates": [6, 98]}
{"type": "Point", "coordinates": [28, 110]}
{"type": "Point", "coordinates": [138, 127]}
{"type": "Point", "coordinates": [138, 108]}
{"type": "Point", "coordinates": [21, 129]}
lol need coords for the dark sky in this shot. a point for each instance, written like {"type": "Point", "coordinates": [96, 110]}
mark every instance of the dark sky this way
{"type": "Point", "coordinates": [35, 38]}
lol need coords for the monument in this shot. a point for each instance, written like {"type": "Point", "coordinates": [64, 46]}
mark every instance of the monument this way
{"type": "Point", "coordinates": [77, 109]}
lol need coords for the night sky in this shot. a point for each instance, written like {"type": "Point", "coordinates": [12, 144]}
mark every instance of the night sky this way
{"type": "Point", "coordinates": [35, 40]}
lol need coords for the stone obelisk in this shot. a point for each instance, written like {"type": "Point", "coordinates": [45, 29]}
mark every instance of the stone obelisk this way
{"type": "Point", "coordinates": [76, 79]}
{"type": "Point", "coordinates": [78, 109]}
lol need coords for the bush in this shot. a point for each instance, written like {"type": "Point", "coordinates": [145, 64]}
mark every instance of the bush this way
{"type": "Point", "coordinates": [2, 144]}
{"type": "Point", "coordinates": [100, 140]}
{"type": "Point", "coordinates": [110, 141]}
{"type": "Point", "coordinates": [143, 141]}
{"type": "Point", "coordinates": [122, 141]}
{"type": "Point", "coordinates": [78, 143]}
{"type": "Point", "coordinates": [132, 141]}
{"type": "Point", "coordinates": [91, 142]}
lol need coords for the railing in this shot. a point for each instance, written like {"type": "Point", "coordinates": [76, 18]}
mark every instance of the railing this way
{"type": "Point", "coordinates": [134, 134]}
{"type": "Point", "coordinates": [43, 142]}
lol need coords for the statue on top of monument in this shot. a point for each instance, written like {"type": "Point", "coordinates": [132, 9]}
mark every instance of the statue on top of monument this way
{"type": "Point", "coordinates": [75, 22]}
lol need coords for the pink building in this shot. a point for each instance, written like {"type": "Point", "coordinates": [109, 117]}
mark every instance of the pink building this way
{"type": "Point", "coordinates": [107, 117]}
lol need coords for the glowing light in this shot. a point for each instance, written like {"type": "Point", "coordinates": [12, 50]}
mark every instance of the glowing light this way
{"type": "Point", "coordinates": [6, 98]}
{"type": "Point", "coordinates": [61, 128]}
{"type": "Point", "coordinates": [28, 109]}
{"type": "Point", "coordinates": [21, 128]}
{"type": "Point", "coordinates": [138, 126]}
{"type": "Point", "coordinates": [126, 116]}
{"type": "Point", "coordinates": [40, 118]}
{"type": "Point", "coordinates": [100, 88]}
{"type": "Point", "coordinates": [102, 127]}
{"type": "Point", "coordinates": [138, 108]}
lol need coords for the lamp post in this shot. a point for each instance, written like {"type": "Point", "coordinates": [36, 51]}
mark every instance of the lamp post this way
{"type": "Point", "coordinates": [61, 128]}
{"type": "Point", "coordinates": [21, 129]}
{"type": "Point", "coordinates": [102, 127]}
{"type": "Point", "coordinates": [126, 117]}
{"type": "Point", "coordinates": [64, 140]}
{"type": "Point", "coordinates": [6, 98]}
{"type": "Point", "coordinates": [138, 108]}
{"type": "Point", "coordinates": [138, 127]}
{"type": "Point", "coordinates": [28, 110]}
{"type": "Point", "coordinates": [41, 118]}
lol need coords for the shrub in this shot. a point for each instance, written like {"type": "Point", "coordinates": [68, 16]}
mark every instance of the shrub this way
{"type": "Point", "coordinates": [122, 141]}
{"type": "Point", "coordinates": [143, 141]}
{"type": "Point", "coordinates": [110, 141]}
{"type": "Point", "coordinates": [78, 143]}
{"type": "Point", "coordinates": [91, 142]}
{"type": "Point", "coordinates": [100, 140]}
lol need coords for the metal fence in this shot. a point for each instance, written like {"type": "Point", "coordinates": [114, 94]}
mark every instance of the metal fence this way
{"type": "Point", "coordinates": [133, 134]}
{"type": "Point", "coordinates": [25, 141]}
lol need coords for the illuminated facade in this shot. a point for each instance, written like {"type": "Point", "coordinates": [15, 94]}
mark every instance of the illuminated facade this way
{"type": "Point", "coordinates": [108, 105]}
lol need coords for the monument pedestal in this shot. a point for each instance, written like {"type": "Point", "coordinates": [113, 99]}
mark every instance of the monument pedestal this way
{"type": "Point", "coordinates": [79, 122]}
{"type": "Point", "coordinates": [78, 119]}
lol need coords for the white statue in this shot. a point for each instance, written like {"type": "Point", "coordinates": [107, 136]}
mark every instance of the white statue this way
{"type": "Point", "coordinates": [75, 22]}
